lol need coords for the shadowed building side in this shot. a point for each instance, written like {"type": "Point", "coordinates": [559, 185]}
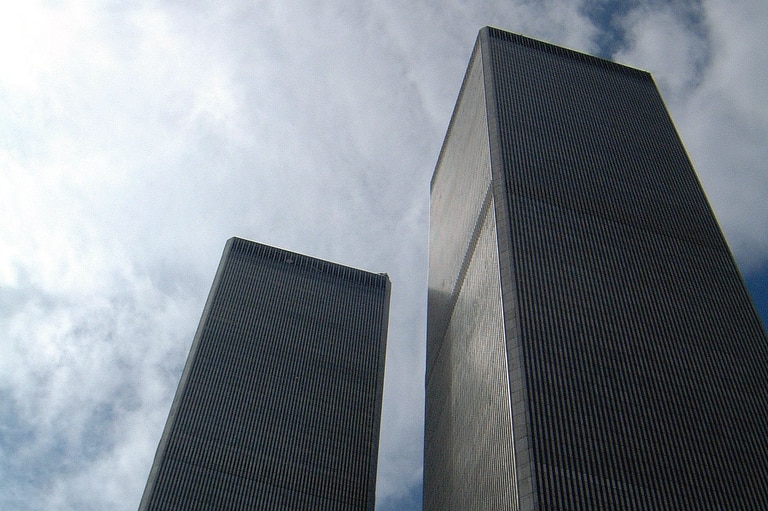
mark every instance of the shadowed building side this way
{"type": "Point", "coordinates": [591, 343]}
{"type": "Point", "coordinates": [279, 404]}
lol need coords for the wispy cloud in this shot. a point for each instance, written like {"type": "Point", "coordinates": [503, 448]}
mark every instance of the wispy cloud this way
{"type": "Point", "coordinates": [710, 74]}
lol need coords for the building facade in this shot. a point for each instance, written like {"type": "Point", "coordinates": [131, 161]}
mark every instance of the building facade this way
{"type": "Point", "coordinates": [279, 403]}
{"type": "Point", "coordinates": [591, 343]}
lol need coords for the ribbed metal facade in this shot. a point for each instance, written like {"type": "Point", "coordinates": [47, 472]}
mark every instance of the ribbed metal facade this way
{"type": "Point", "coordinates": [635, 367]}
{"type": "Point", "coordinates": [279, 403]}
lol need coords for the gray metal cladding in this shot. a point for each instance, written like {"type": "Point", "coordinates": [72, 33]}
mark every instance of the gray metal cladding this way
{"type": "Point", "coordinates": [593, 137]}
{"type": "Point", "coordinates": [468, 455]}
{"type": "Point", "coordinates": [279, 404]}
{"type": "Point", "coordinates": [637, 365]}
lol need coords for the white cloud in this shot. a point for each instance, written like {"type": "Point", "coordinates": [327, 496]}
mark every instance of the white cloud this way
{"type": "Point", "coordinates": [725, 126]}
{"type": "Point", "coordinates": [712, 77]}
{"type": "Point", "coordinates": [78, 368]}
{"type": "Point", "coordinates": [35, 42]}
{"type": "Point", "coordinates": [664, 40]}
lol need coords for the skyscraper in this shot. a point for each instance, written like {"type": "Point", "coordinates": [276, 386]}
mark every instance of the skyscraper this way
{"type": "Point", "coordinates": [279, 404]}
{"type": "Point", "coordinates": [591, 344]}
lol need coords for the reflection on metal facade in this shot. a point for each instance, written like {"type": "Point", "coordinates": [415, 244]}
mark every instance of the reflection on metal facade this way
{"type": "Point", "coordinates": [279, 403]}
{"type": "Point", "coordinates": [591, 344]}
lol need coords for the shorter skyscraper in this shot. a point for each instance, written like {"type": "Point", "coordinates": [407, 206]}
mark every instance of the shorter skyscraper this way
{"type": "Point", "coordinates": [279, 404]}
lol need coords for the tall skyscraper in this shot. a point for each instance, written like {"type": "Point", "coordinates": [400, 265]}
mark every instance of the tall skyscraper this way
{"type": "Point", "coordinates": [591, 344]}
{"type": "Point", "coordinates": [279, 404]}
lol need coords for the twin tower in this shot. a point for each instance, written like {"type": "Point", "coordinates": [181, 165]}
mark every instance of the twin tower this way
{"type": "Point", "coordinates": [590, 342]}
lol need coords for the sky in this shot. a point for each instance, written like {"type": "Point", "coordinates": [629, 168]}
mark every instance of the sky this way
{"type": "Point", "coordinates": [137, 137]}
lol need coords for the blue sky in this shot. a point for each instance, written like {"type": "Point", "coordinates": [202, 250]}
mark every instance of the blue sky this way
{"type": "Point", "coordinates": [137, 137]}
